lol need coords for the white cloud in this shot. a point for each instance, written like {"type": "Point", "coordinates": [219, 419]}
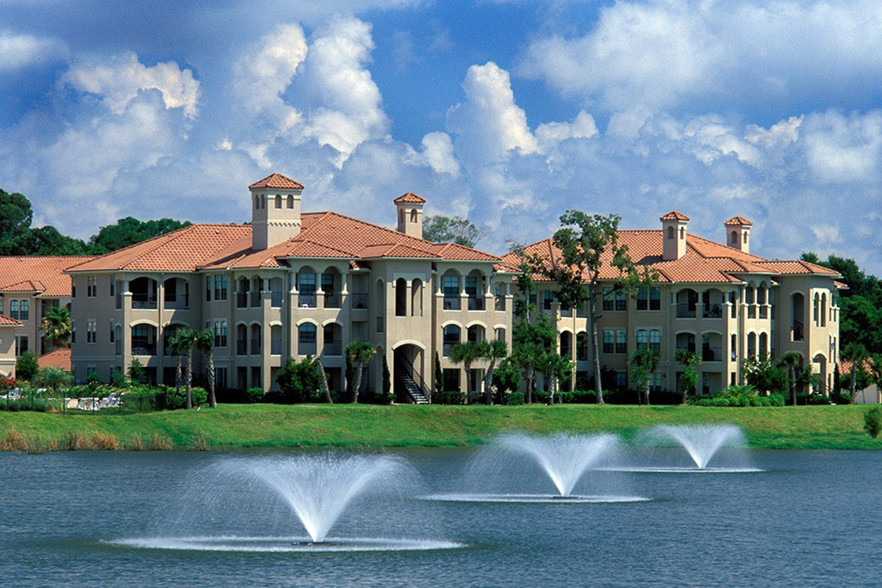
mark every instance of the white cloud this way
{"type": "Point", "coordinates": [119, 81]}
{"type": "Point", "coordinates": [19, 52]}
{"type": "Point", "coordinates": [438, 153]}
{"type": "Point", "coordinates": [844, 149]}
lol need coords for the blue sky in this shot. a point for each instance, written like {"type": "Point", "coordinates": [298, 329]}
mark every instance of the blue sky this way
{"type": "Point", "coordinates": [507, 112]}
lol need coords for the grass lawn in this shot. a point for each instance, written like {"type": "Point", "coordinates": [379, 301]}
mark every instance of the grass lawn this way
{"type": "Point", "coordinates": [343, 425]}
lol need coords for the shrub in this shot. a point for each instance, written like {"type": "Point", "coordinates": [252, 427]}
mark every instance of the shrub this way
{"type": "Point", "coordinates": [104, 441]}
{"type": "Point", "coordinates": [873, 422]}
{"type": "Point", "coordinates": [200, 443]}
{"type": "Point", "coordinates": [449, 397]}
{"type": "Point", "coordinates": [175, 399]}
{"type": "Point", "coordinates": [136, 443]}
{"type": "Point", "coordinates": [253, 395]}
{"type": "Point", "coordinates": [26, 366]}
{"type": "Point", "coordinates": [299, 381]}
{"type": "Point", "coordinates": [75, 441]}
{"type": "Point", "coordinates": [13, 441]}
{"type": "Point", "coordinates": [160, 443]}
{"type": "Point", "coordinates": [515, 399]}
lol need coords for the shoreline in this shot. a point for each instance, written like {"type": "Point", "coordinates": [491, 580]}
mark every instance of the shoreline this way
{"type": "Point", "coordinates": [268, 426]}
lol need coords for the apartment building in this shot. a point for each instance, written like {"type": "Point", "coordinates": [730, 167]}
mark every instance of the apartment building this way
{"type": "Point", "coordinates": [290, 284]}
{"type": "Point", "coordinates": [719, 301]}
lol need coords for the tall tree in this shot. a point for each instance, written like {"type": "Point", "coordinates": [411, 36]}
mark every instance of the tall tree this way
{"type": "Point", "coordinates": [442, 229]}
{"type": "Point", "coordinates": [182, 344]}
{"type": "Point", "coordinates": [857, 354]}
{"type": "Point", "coordinates": [205, 343]}
{"type": "Point", "coordinates": [688, 360]}
{"type": "Point", "coordinates": [56, 326]}
{"type": "Point", "coordinates": [15, 215]}
{"type": "Point", "coordinates": [360, 354]}
{"type": "Point", "coordinates": [493, 351]}
{"type": "Point", "coordinates": [554, 367]}
{"type": "Point", "coordinates": [791, 361]}
{"type": "Point", "coordinates": [644, 361]}
{"type": "Point", "coordinates": [129, 231]}
{"type": "Point", "coordinates": [587, 243]}
{"type": "Point", "coordinates": [466, 354]}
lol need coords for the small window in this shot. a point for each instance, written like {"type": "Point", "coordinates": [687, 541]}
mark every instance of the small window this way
{"type": "Point", "coordinates": [642, 338]}
{"type": "Point", "coordinates": [278, 201]}
{"type": "Point", "coordinates": [290, 201]}
{"type": "Point", "coordinates": [621, 341]}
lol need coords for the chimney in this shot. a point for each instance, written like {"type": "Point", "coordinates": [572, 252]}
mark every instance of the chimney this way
{"type": "Point", "coordinates": [410, 214]}
{"type": "Point", "coordinates": [275, 211]}
{"type": "Point", "coordinates": [674, 235]}
{"type": "Point", "coordinates": [737, 233]}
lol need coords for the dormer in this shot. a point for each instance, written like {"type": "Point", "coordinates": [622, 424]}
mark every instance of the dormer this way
{"type": "Point", "coordinates": [410, 214]}
{"type": "Point", "coordinates": [674, 235]}
{"type": "Point", "coordinates": [275, 211]}
{"type": "Point", "coordinates": [738, 233]}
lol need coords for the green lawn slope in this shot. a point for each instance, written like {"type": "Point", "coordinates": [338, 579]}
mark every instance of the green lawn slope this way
{"type": "Point", "coordinates": [322, 425]}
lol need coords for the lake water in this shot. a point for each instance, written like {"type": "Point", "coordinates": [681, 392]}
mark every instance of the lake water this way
{"type": "Point", "coordinates": [809, 518]}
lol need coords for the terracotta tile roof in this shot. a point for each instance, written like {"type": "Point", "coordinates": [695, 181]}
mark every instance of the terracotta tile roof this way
{"type": "Point", "coordinates": [674, 215]}
{"type": "Point", "coordinates": [182, 250]}
{"type": "Point", "coordinates": [5, 321]}
{"type": "Point", "coordinates": [703, 262]}
{"type": "Point", "coordinates": [411, 198]}
{"type": "Point", "coordinates": [738, 221]}
{"type": "Point", "coordinates": [41, 274]}
{"type": "Point", "coordinates": [394, 250]}
{"type": "Point", "coordinates": [840, 285]}
{"type": "Point", "coordinates": [277, 181]}
{"type": "Point", "coordinates": [60, 358]}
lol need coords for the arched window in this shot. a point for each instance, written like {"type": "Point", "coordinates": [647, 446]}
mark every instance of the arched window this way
{"type": "Point", "coordinates": [751, 345]}
{"type": "Point", "coordinates": [670, 232]}
{"type": "Point", "coordinates": [451, 338]}
{"type": "Point", "coordinates": [500, 334]}
{"type": "Point", "coordinates": [582, 346]}
{"type": "Point", "coordinates": [416, 297]}
{"type": "Point", "coordinates": [476, 334]}
{"type": "Point", "coordinates": [400, 297]}
{"type": "Point", "coordinates": [823, 310]}
{"type": "Point", "coordinates": [306, 339]}
{"type": "Point", "coordinates": [413, 215]}
{"type": "Point", "coordinates": [642, 338]}
{"type": "Point", "coordinates": [255, 339]}
{"type": "Point", "coordinates": [290, 201]}
{"type": "Point", "coordinates": [278, 201]}
{"type": "Point", "coordinates": [566, 344]}
{"type": "Point", "coordinates": [682, 233]}
{"type": "Point", "coordinates": [733, 238]}
{"type": "Point", "coordinates": [655, 340]}
{"type": "Point", "coordinates": [763, 345]}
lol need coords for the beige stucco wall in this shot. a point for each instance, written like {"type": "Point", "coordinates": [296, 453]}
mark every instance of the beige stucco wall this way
{"type": "Point", "coordinates": [7, 351]}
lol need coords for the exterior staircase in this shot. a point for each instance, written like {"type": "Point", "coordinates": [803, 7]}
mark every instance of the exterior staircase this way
{"type": "Point", "coordinates": [404, 382]}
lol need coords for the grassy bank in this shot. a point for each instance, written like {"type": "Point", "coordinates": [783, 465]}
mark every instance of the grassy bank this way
{"type": "Point", "coordinates": [266, 425]}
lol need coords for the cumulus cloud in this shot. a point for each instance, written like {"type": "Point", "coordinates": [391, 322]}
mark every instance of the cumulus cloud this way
{"type": "Point", "coordinates": [843, 148]}
{"type": "Point", "coordinates": [120, 80]}
{"type": "Point", "coordinates": [19, 51]}
{"type": "Point", "coordinates": [438, 153]}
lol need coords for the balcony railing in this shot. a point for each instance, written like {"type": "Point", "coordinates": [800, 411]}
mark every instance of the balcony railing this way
{"type": "Point", "coordinates": [241, 299]}
{"type": "Point", "coordinates": [476, 303]}
{"type": "Point", "coordinates": [276, 299]}
{"type": "Point", "coordinates": [711, 353]}
{"type": "Point", "coordinates": [451, 303]}
{"type": "Point", "coordinates": [751, 311]}
{"type": "Point", "coordinates": [255, 299]}
{"type": "Point", "coordinates": [141, 303]}
{"type": "Point", "coordinates": [143, 348]}
{"type": "Point", "coordinates": [307, 300]}
{"type": "Point", "coordinates": [764, 312]}
{"type": "Point", "coordinates": [333, 300]}
{"type": "Point", "coordinates": [241, 347]}
{"type": "Point", "coordinates": [685, 310]}
{"type": "Point", "coordinates": [182, 303]}
{"type": "Point", "coordinates": [500, 303]}
{"type": "Point", "coordinates": [306, 348]}
{"type": "Point", "coordinates": [359, 300]}
{"type": "Point", "coordinates": [255, 347]}
{"type": "Point", "coordinates": [713, 311]}
{"type": "Point", "coordinates": [335, 348]}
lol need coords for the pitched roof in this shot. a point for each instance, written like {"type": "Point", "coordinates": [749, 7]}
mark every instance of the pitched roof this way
{"type": "Point", "coordinates": [60, 358]}
{"type": "Point", "coordinates": [674, 215]}
{"type": "Point", "coordinates": [703, 262]}
{"type": "Point", "coordinates": [277, 181]}
{"type": "Point", "coordinates": [411, 198]}
{"type": "Point", "coordinates": [43, 275]}
{"type": "Point", "coordinates": [738, 221]}
{"type": "Point", "coordinates": [5, 321]}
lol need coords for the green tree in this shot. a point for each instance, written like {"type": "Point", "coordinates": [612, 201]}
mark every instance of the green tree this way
{"type": "Point", "coordinates": [644, 361]}
{"type": "Point", "coordinates": [439, 377]}
{"type": "Point", "coordinates": [204, 342]}
{"type": "Point", "coordinates": [360, 354]}
{"type": "Point", "coordinates": [53, 378]}
{"type": "Point", "coordinates": [387, 378]}
{"type": "Point", "coordinates": [323, 380]}
{"type": "Point", "coordinates": [443, 229]}
{"type": "Point", "coordinates": [857, 354]}
{"type": "Point", "coordinates": [493, 351]}
{"type": "Point", "coordinates": [136, 372]}
{"type": "Point", "coordinates": [689, 379]}
{"type": "Point", "coordinates": [762, 375]}
{"type": "Point", "coordinates": [584, 241]}
{"type": "Point", "coordinates": [15, 215]}
{"type": "Point", "coordinates": [554, 367]}
{"type": "Point", "coordinates": [26, 366]}
{"type": "Point", "coordinates": [129, 231]}
{"type": "Point", "coordinates": [507, 377]}
{"type": "Point", "coordinates": [183, 344]}
{"type": "Point", "coordinates": [298, 381]}
{"type": "Point", "coordinates": [56, 326]}
{"type": "Point", "coordinates": [792, 362]}
{"type": "Point", "coordinates": [466, 353]}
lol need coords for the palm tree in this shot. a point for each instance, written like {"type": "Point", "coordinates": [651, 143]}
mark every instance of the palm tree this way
{"type": "Point", "coordinates": [359, 353]}
{"type": "Point", "coordinates": [182, 344]}
{"type": "Point", "coordinates": [688, 360]}
{"type": "Point", "coordinates": [644, 361]}
{"type": "Point", "coordinates": [56, 326]}
{"type": "Point", "coordinates": [555, 367]}
{"type": "Point", "coordinates": [204, 342]}
{"type": "Point", "coordinates": [791, 361]}
{"type": "Point", "coordinates": [466, 353]}
{"type": "Point", "coordinates": [857, 354]}
{"type": "Point", "coordinates": [323, 378]}
{"type": "Point", "coordinates": [493, 351]}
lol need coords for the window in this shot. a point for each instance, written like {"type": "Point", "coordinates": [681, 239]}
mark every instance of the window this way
{"type": "Point", "coordinates": [642, 338]}
{"type": "Point", "coordinates": [655, 382]}
{"type": "Point", "coordinates": [112, 285]}
{"type": "Point", "coordinates": [306, 339]}
{"type": "Point", "coordinates": [655, 340]}
{"type": "Point", "coordinates": [450, 289]}
{"type": "Point", "coordinates": [73, 331]}
{"type": "Point", "coordinates": [112, 333]}
{"type": "Point", "coordinates": [220, 378]}
{"type": "Point", "coordinates": [582, 346]}
{"type": "Point", "coordinates": [25, 313]}
{"type": "Point", "coordinates": [307, 288]}
{"type": "Point", "coordinates": [91, 331]}
{"type": "Point", "coordinates": [21, 345]}
{"type": "Point", "coordinates": [92, 286]}
{"type": "Point", "coordinates": [13, 309]}
{"type": "Point", "coordinates": [500, 334]}
{"type": "Point", "coordinates": [451, 380]}
{"type": "Point", "coordinates": [1, 304]}
{"type": "Point", "coordinates": [475, 301]}
{"type": "Point", "coordinates": [290, 201]}
{"type": "Point", "coordinates": [608, 341]}
{"type": "Point", "coordinates": [643, 299]}
{"type": "Point", "coordinates": [621, 341]}
{"type": "Point", "coordinates": [208, 288]}
{"type": "Point", "coordinates": [451, 338]}
{"type": "Point", "coordinates": [547, 299]}
{"type": "Point", "coordinates": [608, 300]}
{"type": "Point", "coordinates": [278, 201]}
{"type": "Point", "coordinates": [220, 333]}
{"type": "Point", "coordinates": [621, 380]}
{"type": "Point", "coordinates": [621, 300]}
{"type": "Point", "coordinates": [220, 287]}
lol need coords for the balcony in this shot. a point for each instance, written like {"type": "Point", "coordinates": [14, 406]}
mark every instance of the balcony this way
{"type": "Point", "coordinates": [764, 312]}
{"type": "Point", "coordinates": [143, 303]}
{"type": "Point", "coordinates": [475, 303]}
{"type": "Point", "coordinates": [451, 302]}
{"type": "Point", "coordinates": [797, 331]}
{"type": "Point", "coordinates": [177, 303]}
{"type": "Point", "coordinates": [500, 303]}
{"type": "Point", "coordinates": [255, 299]}
{"type": "Point", "coordinates": [241, 347]}
{"type": "Point", "coordinates": [751, 311]}
{"type": "Point", "coordinates": [710, 353]}
{"type": "Point", "coordinates": [685, 310]}
{"type": "Point", "coordinates": [333, 300]}
{"type": "Point", "coordinates": [358, 300]}
{"type": "Point", "coordinates": [241, 299]}
{"type": "Point", "coordinates": [276, 299]}
{"type": "Point", "coordinates": [255, 347]}
{"type": "Point", "coordinates": [334, 348]}
{"type": "Point", "coordinates": [307, 300]}
{"type": "Point", "coordinates": [713, 311]}
{"type": "Point", "coordinates": [143, 348]}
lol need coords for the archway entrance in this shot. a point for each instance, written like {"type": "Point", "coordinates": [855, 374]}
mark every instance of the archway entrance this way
{"type": "Point", "coordinates": [410, 384]}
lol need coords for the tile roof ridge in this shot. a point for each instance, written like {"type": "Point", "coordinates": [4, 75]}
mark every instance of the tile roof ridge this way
{"type": "Point", "coordinates": [133, 245]}
{"type": "Point", "coordinates": [170, 237]}
{"type": "Point", "coordinates": [376, 226]}
{"type": "Point", "coordinates": [293, 241]}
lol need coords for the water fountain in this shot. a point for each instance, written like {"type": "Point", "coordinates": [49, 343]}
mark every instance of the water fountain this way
{"type": "Point", "coordinates": [563, 459]}
{"type": "Point", "coordinates": [240, 497]}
